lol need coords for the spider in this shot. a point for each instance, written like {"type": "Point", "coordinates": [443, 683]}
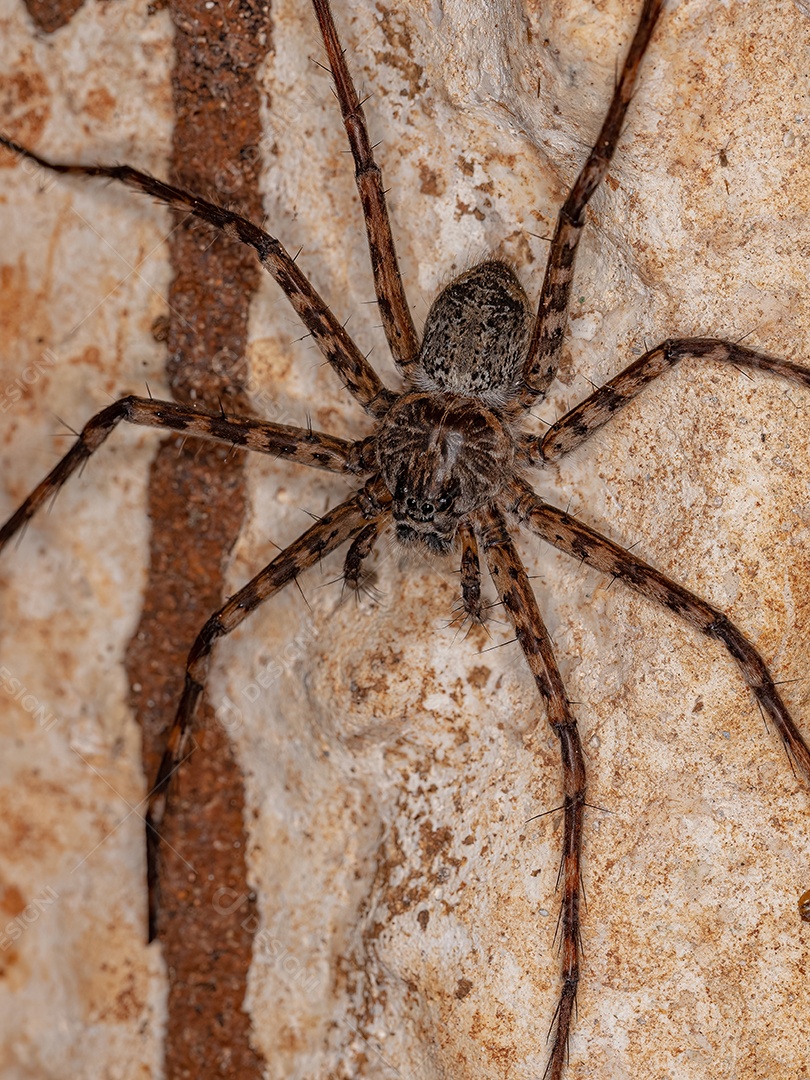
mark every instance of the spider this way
{"type": "Point", "coordinates": [437, 544]}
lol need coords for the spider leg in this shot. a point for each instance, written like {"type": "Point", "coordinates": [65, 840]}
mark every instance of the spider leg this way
{"type": "Point", "coordinates": [517, 596]}
{"type": "Point", "coordinates": [582, 421]}
{"type": "Point", "coordinates": [470, 574]}
{"type": "Point", "coordinates": [540, 365]}
{"type": "Point", "coordinates": [396, 316]}
{"type": "Point", "coordinates": [583, 543]}
{"type": "Point", "coordinates": [340, 351]}
{"type": "Point", "coordinates": [359, 550]}
{"type": "Point", "coordinates": [295, 444]}
{"type": "Point", "coordinates": [334, 528]}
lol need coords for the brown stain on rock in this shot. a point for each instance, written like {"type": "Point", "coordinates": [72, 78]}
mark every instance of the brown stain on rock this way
{"type": "Point", "coordinates": [479, 676]}
{"type": "Point", "coordinates": [196, 505]}
{"type": "Point", "coordinates": [196, 502]}
{"type": "Point", "coordinates": [24, 95]}
{"type": "Point", "coordinates": [51, 15]}
{"type": "Point", "coordinates": [398, 54]}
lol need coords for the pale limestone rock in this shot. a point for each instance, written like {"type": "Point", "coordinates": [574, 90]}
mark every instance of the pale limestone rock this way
{"type": "Point", "coordinates": [408, 909]}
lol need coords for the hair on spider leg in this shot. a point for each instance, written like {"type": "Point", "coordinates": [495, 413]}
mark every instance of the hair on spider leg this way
{"type": "Point", "coordinates": [364, 587]}
{"type": "Point", "coordinates": [500, 645]}
{"type": "Point", "coordinates": [557, 809]}
{"type": "Point", "coordinates": [461, 619]}
{"type": "Point", "coordinates": [368, 588]}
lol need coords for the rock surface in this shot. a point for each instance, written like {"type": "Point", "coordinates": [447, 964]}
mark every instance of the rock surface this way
{"type": "Point", "coordinates": [407, 902]}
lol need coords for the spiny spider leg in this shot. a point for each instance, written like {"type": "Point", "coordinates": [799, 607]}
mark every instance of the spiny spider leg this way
{"type": "Point", "coordinates": [571, 430]}
{"type": "Point", "coordinates": [542, 359]}
{"type": "Point", "coordinates": [329, 335]}
{"type": "Point", "coordinates": [342, 523]}
{"type": "Point", "coordinates": [517, 596]}
{"type": "Point", "coordinates": [583, 543]}
{"type": "Point", "coordinates": [359, 550]}
{"type": "Point", "coordinates": [470, 574]}
{"type": "Point", "coordinates": [295, 444]}
{"type": "Point", "coordinates": [396, 316]}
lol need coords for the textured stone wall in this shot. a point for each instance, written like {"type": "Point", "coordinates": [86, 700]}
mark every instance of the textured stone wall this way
{"type": "Point", "coordinates": [406, 907]}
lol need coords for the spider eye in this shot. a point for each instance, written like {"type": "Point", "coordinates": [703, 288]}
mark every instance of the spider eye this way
{"type": "Point", "coordinates": [443, 502]}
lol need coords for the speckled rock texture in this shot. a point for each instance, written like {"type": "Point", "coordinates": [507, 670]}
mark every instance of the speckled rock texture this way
{"type": "Point", "coordinates": [394, 767]}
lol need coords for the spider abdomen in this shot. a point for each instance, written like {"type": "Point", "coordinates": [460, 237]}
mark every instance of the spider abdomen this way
{"type": "Point", "coordinates": [476, 335]}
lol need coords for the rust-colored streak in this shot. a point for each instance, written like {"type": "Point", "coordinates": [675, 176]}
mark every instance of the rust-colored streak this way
{"type": "Point", "coordinates": [196, 508]}
{"type": "Point", "coordinates": [51, 15]}
{"type": "Point", "coordinates": [196, 503]}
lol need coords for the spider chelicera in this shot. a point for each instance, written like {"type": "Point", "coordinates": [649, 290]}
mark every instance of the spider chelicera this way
{"type": "Point", "coordinates": [448, 458]}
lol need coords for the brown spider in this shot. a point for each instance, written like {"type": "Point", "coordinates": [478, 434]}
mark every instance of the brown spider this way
{"type": "Point", "coordinates": [411, 509]}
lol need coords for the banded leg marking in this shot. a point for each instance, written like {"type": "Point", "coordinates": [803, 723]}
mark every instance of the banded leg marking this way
{"type": "Point", "coordinates": [295, 444]}
{"type": "Point", "coordinates": [340, 351]}
{"type": "Point", "coordinates": [573, 429]}
{"type": "Point", "coordinates": [542, 359]}
{"type": "Point", "coordinates": [517, 596]}
{"type": "Point", "coordinates": [391, 300]}
{"type": "Point", "coordinates": [343, 523]}
{"type": "Point", "coordinates": [583, 543]}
